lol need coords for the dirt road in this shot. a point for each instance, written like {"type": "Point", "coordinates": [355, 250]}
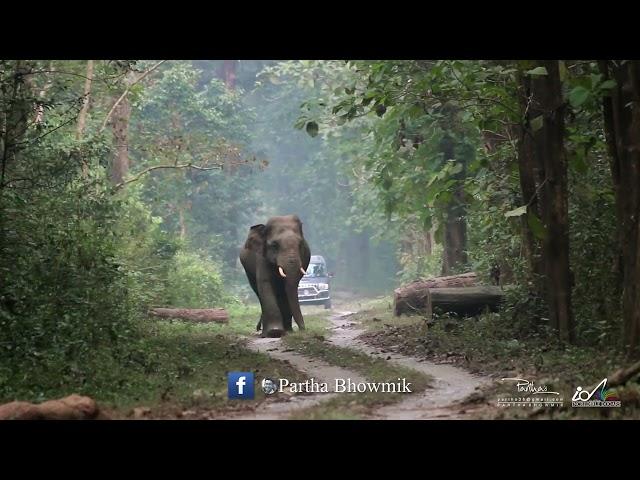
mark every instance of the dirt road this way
{"type": "Point", "coordinates": [442, 400]}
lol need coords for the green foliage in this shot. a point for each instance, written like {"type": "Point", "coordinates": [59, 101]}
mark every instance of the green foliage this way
{"type": "Point", "coordinates": [356, 149]}
{"type": "Point", "coordinates": [179, 120]}
{"type": "Point", "coordinates": [80, 263]}
{"type": "Point", "coordinates": [65, 296]}
{"type": "Point", "coordinates": [313, 176]}
{"type": "Point", "coordinates": [194, 282]}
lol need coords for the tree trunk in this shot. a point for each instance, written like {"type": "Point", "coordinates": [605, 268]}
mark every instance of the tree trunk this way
{"type": "Point", "coordinates": [614, 165]}
{"type": "Point", "coordinates": [550, 157]}
{"type": "Point", "coordinates": [530, 179]}
{"type": "Point", "coordinates": [413, 297]}
{"type": "Point", "coordinates": [183, 225]}
{"type": "Point", "coordinates": [622, 127]}
{"type": "Point", "coordinates": [427, 243]}
{"type": "Point", "coordinates": [455, 228]}
{"type": "Point", "coordinates": [543, 177]}
{"type": "Point", "coordinates": [41, 95]}
{"type": "Point", "coordinates": [200, 315]}
{"type": "Point", "coordinates": [357, 251]}
{"type": "Point", "coordinates": [82, 117]}
{"type": "Point", "coordinates": [16, 116]}
{"type": "Point", "coordinates": [120, 125]}
{"type": "Point", "coordinates": [229, 68]}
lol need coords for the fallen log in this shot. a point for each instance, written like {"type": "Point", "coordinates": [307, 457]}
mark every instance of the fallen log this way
{"type": "Point", "coordinates": [73, 407]}
{"type": "Point", "coordinates": [622, 376]}
{"type": "Point", "coordinates": [412, 298]}
{"type": "Point", "coordinates": [200, 315]}
{"type": "Point", "coordinates": [464, 302]}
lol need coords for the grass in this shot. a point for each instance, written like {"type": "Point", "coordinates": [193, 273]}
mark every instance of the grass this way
{"type": "Point", "coordinates": [184, 366]}
{"type": "Point", "coordinates": [486, 345]}
{"type": "Point", "coordinates": [243, 320]}
{"type": "Point", "coordinates": [354, 405]}
{"type": "Point", "coordinates": [173, 366]}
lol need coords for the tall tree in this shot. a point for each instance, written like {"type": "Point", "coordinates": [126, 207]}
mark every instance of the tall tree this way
{"type": "Point", "coordinates": [530, 178]}
{"type": "Point", "coordinates": [544, 158]}
{"type": "Point", "coordinates": [454, 253]}
{"type": "Point", "coordinates": [86, 97]}
{"type": "Point", "coordinates": [622, 126]}
{"type": "Point", "coordinates": [228, 73]}
{"type": "Point", "coordinates": [120, 126]}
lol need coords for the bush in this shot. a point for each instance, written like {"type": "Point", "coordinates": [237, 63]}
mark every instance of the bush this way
{"type": "Point", "coordinates": [194, 281]}
{"type": "Point", "coordinates": [64, 295]}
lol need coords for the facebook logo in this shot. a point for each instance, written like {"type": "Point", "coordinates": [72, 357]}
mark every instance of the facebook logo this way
{"type": "Point", "coordinates": [240, 385]}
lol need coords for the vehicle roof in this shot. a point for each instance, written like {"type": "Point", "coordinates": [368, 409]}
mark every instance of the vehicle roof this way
{"type": "Point", "coordinates": [317, 259]}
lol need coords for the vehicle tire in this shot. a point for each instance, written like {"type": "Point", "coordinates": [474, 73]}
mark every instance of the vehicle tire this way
{"type": "Point", "coordinates": [327, 304]}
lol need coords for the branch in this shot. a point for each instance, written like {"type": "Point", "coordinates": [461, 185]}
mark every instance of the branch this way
{"type": "Point", "coordinates": [140, 78]}
{"type": "Point", "coordinates": [157, 167]}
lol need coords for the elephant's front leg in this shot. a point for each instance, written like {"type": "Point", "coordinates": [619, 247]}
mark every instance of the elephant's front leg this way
{"type": "Point", "coordinates": [271, 319]}
{"type": "Point", "coordinates": [285, 309]}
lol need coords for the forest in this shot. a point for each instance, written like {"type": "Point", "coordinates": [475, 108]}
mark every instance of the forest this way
{"type": "Point", "coordinates": [128, 185]}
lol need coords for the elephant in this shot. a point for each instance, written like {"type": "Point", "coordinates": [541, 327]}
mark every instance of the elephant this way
{"type": "Point", "coordinates": [275, 256]}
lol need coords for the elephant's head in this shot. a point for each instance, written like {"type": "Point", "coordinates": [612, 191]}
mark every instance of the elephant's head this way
{"type": "Point", "coordinates": [287, 254]}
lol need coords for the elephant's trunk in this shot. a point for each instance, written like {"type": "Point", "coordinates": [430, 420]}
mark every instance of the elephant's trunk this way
{"type": "Point", "coordinates": [292, 280]}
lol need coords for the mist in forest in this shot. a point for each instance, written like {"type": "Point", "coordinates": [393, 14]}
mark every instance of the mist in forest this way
{"type": "Point", "coordinates": [129, 186]}
{"type": "Point", "coordinates": [301, 179]}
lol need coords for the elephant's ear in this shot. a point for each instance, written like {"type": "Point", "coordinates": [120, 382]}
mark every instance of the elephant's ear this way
{"type": "Point", "coordinates": [255, 241]}
{"type": "Point", "coordinates": [258, 229]}
{"type": "Point", "coordinates": [298, 222]}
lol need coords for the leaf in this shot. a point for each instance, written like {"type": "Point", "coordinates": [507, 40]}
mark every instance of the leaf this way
{"type": "Point", "coordinates": [380, 110]}
{"type": "Point", "coordinates": [312, 129]}
{"type": "Point", "coordinates": [579, 164]}
{"type": "Point", "coordinates": [537, 227]}
{"type": "Point", "coordinates": [578, 96]}
{"type": "Point", "coordinates": [517, 212]}
{"type": "Point", "coordinates": [537, 123]}
{"type": "Point", "coordinates": [538, 71]}
{"type": "Point", "coordinates": [608, 85]}
{"type": "Point", "coordinates": [457, 168]}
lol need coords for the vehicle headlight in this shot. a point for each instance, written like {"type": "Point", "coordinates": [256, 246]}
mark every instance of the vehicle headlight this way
{"type": "Point", "coordinates": [323, 286]}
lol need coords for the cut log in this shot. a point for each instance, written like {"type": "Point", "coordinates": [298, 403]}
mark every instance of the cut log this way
{"type": "Point", "coordinates": [200, 315]}
{"type": "Point", "coordinates": [464, 302]}
{"type": "Point", "coordinates": [620, 377]}
{"type": "Point", "coordinates": [412, 298]}
{"type": "Point", "coordinates": [73, 407]}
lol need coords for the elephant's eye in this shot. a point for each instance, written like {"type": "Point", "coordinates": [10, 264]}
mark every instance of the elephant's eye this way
{"type": "Point", "coordinates": [273, 245]}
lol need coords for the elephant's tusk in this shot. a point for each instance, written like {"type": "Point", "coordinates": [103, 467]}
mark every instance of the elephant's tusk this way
{"type": "Point", "coordinates": [281, 272]}
{"type": "Point", "coordinates": [302, 270]}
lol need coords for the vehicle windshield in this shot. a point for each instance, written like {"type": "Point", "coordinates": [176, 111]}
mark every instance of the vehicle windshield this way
{"type": "Point", "coordinates": [316, 270]}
